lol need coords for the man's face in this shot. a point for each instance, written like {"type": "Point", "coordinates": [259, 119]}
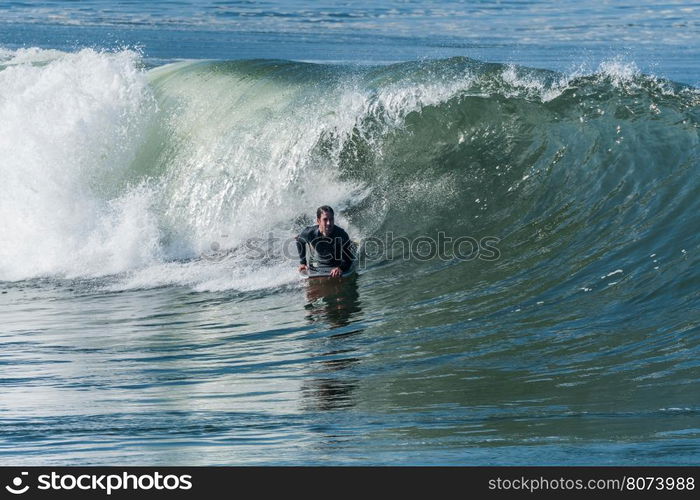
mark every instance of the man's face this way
{"type": "Point", "coordinates": [325, 223]}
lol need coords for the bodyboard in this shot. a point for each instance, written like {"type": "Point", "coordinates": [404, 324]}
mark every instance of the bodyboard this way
{"type": "Point", "coordinates": [325, 272]}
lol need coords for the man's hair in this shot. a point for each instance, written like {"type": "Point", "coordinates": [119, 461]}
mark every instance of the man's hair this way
{"type": "Point", "coordinates": [324, 208]}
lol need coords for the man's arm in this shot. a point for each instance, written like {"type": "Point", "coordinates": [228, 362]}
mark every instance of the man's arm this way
{"type": "Point", "coordinates": [301, 248]}
{"type": "Point", "coordinates": [347, 255]}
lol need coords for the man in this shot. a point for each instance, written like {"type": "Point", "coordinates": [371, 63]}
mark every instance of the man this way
{"type": "Point", "coordinates": [331, 243]}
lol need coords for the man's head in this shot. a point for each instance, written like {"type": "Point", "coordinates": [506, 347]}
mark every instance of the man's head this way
{"type": "Point", "coordinates": [325, 219]}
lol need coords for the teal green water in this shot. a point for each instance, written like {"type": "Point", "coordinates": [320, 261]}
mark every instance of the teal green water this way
{"type": "Point", "coordinates": [151, 311]}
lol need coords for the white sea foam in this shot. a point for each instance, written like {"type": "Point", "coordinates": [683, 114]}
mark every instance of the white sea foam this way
{"type": "Point", "coordinates": [619, 71]}
{"type": "Point", "coordinates": [203, 275]}
{"type": "Point", "coordinates": [69, 126]}
{"type": "Point", "coordinates": [533, 84]}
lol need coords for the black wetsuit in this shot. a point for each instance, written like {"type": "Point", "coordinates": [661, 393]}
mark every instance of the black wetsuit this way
{"type": "Point", "coordinates": [334, 250]}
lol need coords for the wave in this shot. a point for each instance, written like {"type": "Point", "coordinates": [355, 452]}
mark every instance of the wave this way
{"type": "Point", "coordinates": [114, 169]}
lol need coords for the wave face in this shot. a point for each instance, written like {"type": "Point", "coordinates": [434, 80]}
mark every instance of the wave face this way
{"type": "Point", "coordinates": [112, 169]}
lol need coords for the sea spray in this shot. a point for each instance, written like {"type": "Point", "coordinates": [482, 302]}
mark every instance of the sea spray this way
{"type": "Point", "coordinates": [70, 129]}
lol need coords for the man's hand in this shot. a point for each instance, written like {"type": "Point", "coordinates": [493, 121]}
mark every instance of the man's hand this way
{"type": "Point", "coordinates": [336, 272]}
{"type": "Point", "coordinates": [302, 267]}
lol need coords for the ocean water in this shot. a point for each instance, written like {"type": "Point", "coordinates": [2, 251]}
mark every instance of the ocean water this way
{"type": "Point", "coordinates": [522, 178]}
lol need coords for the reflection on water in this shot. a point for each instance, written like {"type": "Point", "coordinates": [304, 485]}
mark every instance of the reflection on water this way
{"type": "Point", "coordinates": [332, 300]}
{"type": "Point", "coordinates": [337, 303]}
